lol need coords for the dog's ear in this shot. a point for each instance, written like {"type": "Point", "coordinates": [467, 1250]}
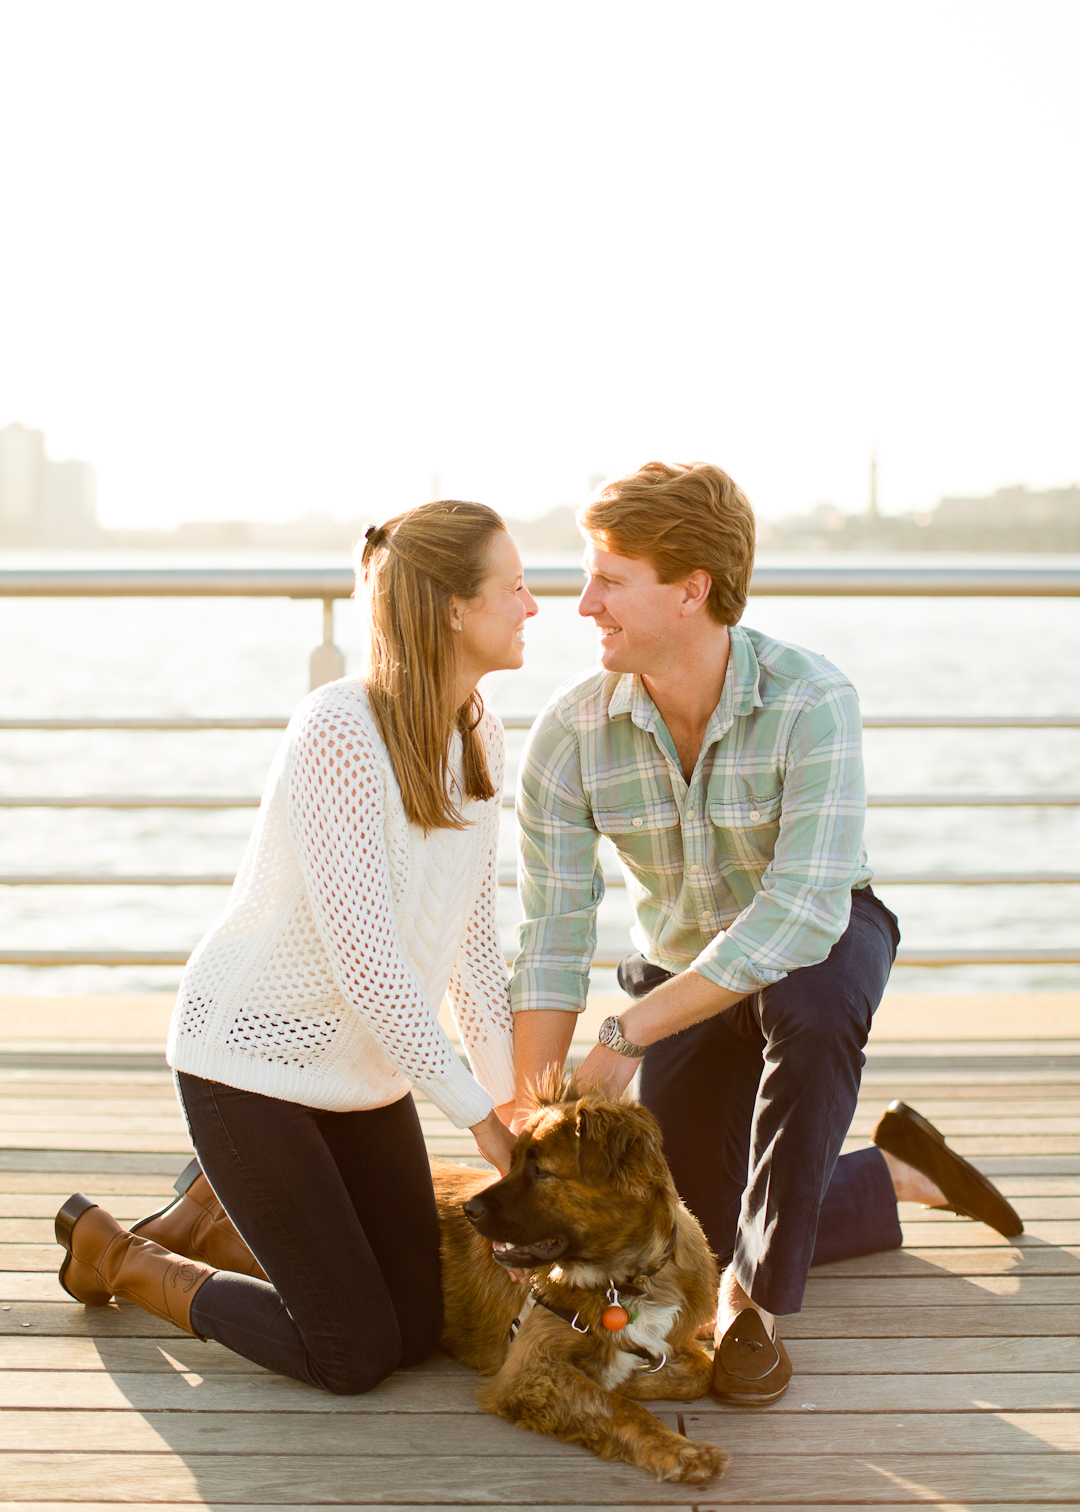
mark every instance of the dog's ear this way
{"type": "Point", "coordinates": [621, 1146]}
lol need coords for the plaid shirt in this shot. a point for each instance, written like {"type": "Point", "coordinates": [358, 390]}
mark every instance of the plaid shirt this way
{"type": "Point", "coordinates": [745, 873]}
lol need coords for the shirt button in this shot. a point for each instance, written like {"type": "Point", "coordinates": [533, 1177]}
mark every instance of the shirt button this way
{"type": "Point", "coordinates": [637, 823]}
{"type": "Point", "coordinates": [689, 813]}
{"type": "Point", "coordinates": [695, 870]}
{"type": "Point", "coordinates": [706, 918]}
{"type": "Point", "coordinates": [755, 814]}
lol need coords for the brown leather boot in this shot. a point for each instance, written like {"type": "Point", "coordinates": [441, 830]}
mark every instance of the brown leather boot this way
{"type": "Point", "coordinates": [104, 1260]}
{"type": "Point", "coordinates": [196, 1225]}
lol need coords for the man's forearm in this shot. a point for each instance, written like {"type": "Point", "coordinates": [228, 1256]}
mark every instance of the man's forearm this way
{"type": "Point", "coordinates": [676, 1004]}
{"type": "Point", "coordinates": [542, 1038]}
{"type": "Point", "coordinates": [684, 1000]}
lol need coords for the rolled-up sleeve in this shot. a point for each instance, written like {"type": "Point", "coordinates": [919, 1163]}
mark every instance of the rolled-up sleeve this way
{"type": "Point", "coordinates": [805, 899]}
{"type": "Point", "coordinates": [559, 875]}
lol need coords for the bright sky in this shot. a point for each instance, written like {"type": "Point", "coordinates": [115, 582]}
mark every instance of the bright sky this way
{"type": "Point", "coordinates": [259, 258]}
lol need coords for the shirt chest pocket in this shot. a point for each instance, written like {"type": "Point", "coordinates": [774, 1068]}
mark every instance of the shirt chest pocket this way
{"type": "Point", "coordinates": [642, 833]}
{"type": "Point", "coordinates": [747, 829]}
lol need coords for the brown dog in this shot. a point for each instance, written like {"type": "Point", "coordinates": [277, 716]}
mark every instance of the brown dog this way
{"type": "Point", "coordinates": [589, 1207]}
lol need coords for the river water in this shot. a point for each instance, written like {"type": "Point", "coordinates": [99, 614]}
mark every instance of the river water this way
{"type": "Point", "coordinates": [70, 657]}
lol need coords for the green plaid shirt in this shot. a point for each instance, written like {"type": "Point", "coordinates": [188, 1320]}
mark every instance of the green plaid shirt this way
{"type": "Point", "coordinates": [745, 873]}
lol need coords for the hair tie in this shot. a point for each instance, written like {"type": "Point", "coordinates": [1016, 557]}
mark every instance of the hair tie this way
{"type": "Point", "coordinates": [374, 537]}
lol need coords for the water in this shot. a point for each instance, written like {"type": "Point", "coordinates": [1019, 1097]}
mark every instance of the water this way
{"type": "Point", "coordinates": [249, 656]}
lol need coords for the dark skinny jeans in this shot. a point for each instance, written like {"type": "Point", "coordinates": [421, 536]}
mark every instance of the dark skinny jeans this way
{"type": "Point", "coordinates": [755, 1104]}
{"type": "Point", "coordinates": [339, 1210]}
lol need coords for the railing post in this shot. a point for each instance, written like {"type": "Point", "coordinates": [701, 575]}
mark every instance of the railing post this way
{"type": "Point", "coordinates": [327, 662]}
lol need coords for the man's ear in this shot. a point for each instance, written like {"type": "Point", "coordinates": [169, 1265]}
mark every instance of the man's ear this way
{"type": "Point", "coordinates": [696, 590]}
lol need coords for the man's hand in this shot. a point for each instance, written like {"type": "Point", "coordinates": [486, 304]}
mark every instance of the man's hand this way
{"type": "Point", "coordinates": [605, 1068]}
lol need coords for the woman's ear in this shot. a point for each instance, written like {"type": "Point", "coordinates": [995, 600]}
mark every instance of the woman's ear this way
{"type": "Point", "coordinates": [457, 612]}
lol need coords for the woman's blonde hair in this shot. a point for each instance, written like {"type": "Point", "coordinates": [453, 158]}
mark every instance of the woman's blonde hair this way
{"type": "Point", "coordinates": [680, 518]}
{"type": "Point", "coordinates": [407, 572]}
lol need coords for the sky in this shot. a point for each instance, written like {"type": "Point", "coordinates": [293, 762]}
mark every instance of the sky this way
{"type": "Point", "coordinates": [260, 259]}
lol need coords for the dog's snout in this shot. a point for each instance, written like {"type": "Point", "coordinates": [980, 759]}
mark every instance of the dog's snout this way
{"type": "Point", "coordinates": [475, 1209]}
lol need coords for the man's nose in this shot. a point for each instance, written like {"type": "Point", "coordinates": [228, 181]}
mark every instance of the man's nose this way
{"type": "Point", "coordinates": [590, 601]}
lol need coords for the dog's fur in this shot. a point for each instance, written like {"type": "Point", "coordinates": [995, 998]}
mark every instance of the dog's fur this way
{"type": "Point", "coordinates": [590, 1188]}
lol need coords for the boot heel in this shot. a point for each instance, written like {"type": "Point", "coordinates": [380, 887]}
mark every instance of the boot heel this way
{"type": "Point", "coordinates": [181, 1186]}
{"type": "Point", "coordinates": [187, 1178]}
{"type": "Point", "coordinates": [69, 1215]}
{"type": "Point", "coordinates": [66, 1219]}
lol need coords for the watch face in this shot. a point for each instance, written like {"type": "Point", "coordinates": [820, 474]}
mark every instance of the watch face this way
{"type": "Point", "coordinates": [609, 1030]}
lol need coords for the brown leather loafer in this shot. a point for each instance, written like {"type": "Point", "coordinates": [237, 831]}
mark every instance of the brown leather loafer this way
{"type": "Point", "coordinates": [907, 1135]}
{"type": "Point", "coordinates": [749, 1368]}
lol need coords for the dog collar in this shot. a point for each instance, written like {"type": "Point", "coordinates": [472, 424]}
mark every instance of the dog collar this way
{"type": "Point", "coordinates": [637, 1285]}
{"type": "Point", "coordinates": [634, 1288]}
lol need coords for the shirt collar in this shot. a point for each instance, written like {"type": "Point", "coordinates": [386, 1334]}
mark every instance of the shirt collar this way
{"type": "Point", "coordinates": [741, 695]}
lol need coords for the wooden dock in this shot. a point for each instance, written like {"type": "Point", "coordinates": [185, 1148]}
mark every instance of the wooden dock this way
{"type": "Point", "coordinates": [947, 1373]}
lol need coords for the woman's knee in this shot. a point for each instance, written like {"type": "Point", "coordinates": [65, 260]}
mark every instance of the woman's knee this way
{"type": "Point", "coordinates": [350, 1371]}
{"type": "Point", "coordinates": [420, 1335]}
{"type": "Point", "coordinates": [357, 1355]}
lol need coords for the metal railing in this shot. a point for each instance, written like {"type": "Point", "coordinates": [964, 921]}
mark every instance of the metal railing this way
{"type": "Point", "coordinates": [327, 662]}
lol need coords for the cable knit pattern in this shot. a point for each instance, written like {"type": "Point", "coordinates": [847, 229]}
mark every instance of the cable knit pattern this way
{"type": "Point", "coordinates": [345, 928]}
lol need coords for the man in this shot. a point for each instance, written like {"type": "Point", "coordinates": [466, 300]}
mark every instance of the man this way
{"type": "Point", "coordinates": [726, 769]}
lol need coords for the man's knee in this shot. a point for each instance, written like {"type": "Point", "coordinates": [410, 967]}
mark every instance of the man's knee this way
{"type": "Point", "coordinates": [832, 1016]}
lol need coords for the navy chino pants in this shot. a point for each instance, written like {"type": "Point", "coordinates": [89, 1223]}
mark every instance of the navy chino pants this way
{"type": "Point", "coordinates": [754, 1105]}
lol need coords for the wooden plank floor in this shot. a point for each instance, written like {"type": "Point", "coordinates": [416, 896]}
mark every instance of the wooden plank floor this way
{"type": "Point", "coordinates": [945, 1373]}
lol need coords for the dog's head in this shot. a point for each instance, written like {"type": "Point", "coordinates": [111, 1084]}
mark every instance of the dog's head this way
{"type": "Point", "coordinates": [588, 1185]}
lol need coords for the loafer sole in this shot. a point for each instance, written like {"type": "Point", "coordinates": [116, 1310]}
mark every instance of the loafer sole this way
{"type": "Point", "coordinates": [910, 1137]}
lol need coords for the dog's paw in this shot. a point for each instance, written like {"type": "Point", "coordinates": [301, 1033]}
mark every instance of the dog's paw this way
{"type": "Point", "coordinates": [695, 1464]}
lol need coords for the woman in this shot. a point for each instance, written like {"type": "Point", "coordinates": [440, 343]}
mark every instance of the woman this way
{"type": "Point", "coordinates": [367, 891]}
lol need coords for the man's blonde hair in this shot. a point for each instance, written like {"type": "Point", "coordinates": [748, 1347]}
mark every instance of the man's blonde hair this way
{"type": "Point", "coordinates": [680, 518]}
{"type": "Point", "coordinates": [407, 573]}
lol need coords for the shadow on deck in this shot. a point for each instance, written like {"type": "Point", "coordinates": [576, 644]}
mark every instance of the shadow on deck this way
{"type": "Point", "coordinates": [945, 1373]}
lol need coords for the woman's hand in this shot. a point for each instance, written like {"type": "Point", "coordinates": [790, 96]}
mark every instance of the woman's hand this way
{"type": "Point", "coordinates": [494, 1141]}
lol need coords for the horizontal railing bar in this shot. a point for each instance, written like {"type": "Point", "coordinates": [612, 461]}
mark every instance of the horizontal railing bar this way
{"type": "Point", "coordinates": [179, 722]}
{"type": "Point", "coordinates": [971, 722]}
{"type": "Point", "coordinates": [117, 879]}
{"type": "Point", "coordinates": [508, 879]}
{"type": "Point", "coordinates": [133, 801]}
{"type": "Point", "coordinates": [972, 800]}
{"type": "Point", "coordinates": [943, 800]}
{"type": "Point", "coordinates": [526, 721]}
{"type": "Point", "coordinates": [179, 958]}
{"type": "Point", "coordinates": [337, 582]}
{"type": "Point", "coordinates": [226, 801]}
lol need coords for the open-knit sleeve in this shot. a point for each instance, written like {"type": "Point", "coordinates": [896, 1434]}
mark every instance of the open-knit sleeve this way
{"type": "Point", "coordinates": [478, 990]}
{"type": "Point", "coordinates": [336, 799]}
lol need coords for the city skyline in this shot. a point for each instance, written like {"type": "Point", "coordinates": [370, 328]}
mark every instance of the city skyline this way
{"type": "Point", "coordinates": [45, 503]}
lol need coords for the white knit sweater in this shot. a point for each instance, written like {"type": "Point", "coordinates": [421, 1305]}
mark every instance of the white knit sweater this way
{"type": "Point", "coordinates": [346, 925]}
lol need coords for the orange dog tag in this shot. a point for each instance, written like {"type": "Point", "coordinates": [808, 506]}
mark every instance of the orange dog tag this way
{"type": "Point", "coordinates": [614, 1317]}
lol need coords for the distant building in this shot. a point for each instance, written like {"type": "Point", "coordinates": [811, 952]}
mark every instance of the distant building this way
{"type": "Point", "coordinates": [1012, 519]}
{"type": "Point", "coordinates": [42, 502]}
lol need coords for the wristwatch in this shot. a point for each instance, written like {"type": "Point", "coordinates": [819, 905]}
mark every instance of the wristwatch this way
{"type": "Point", "coordinates": [612, 1036]}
